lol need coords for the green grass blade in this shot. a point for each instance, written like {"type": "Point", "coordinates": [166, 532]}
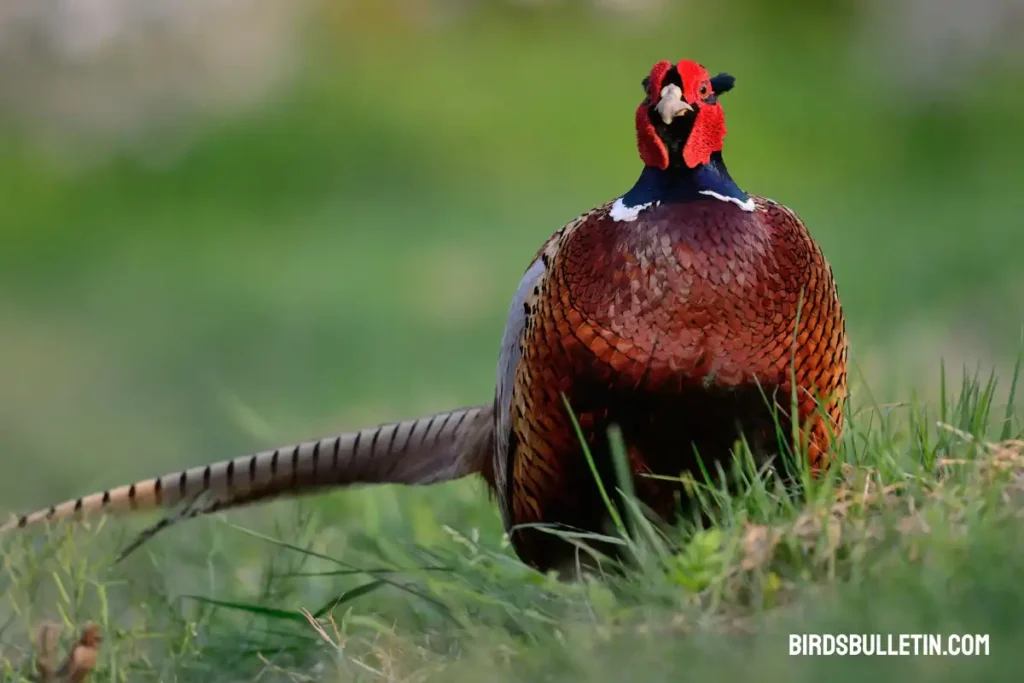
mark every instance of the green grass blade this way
{"type": "Point", "coordinates": [349, 596]}
{"type": "Point", "coordinates": [437, 604]}
{"type": "Point", "coordinates": [1007, 430]}
{"type": "Point", "coordinates": [612, 511]}
{"type": "Point", "coordinates": [261, 610]}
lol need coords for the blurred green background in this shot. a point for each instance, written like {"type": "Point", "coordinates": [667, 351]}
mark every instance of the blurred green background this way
{"type": "Point", "coordinates": [230, 225]}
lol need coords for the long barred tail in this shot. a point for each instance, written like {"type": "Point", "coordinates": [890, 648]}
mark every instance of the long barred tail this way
{"type": "Point", "coordinates": [431, 449]}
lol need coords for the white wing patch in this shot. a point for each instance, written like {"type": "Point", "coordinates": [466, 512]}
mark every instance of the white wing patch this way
{"type": "Point", "coordinates": [746, 206]}
{"type": "Point", "coordinates": [508, 362]}
{"type": "Point", "coordinates": [620, 212]}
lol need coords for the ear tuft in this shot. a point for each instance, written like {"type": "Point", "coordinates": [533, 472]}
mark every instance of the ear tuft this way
{"type": "Point", "coordinates": [722, 83]}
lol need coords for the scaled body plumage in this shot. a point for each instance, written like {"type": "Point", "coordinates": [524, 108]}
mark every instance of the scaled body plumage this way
{"type": "Point", "coordinates": [675, 326]}
{"type": "Point", "coordinates": [686, 311]}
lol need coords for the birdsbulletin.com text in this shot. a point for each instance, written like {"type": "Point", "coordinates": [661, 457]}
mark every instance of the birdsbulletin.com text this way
{"type": "Point", "coordinates": [888, 644]}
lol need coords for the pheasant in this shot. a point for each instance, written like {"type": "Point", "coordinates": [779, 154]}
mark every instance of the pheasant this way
{"type": "Point", "coordinates": [686, 311]}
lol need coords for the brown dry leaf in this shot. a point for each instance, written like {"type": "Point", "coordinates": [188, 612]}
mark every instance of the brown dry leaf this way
{"type": "Point", "coordinates": [79, 663]}
{"type": "Point", "coordinates": [807, 527]}
{"type": "Point", "coordinates": [46, 644]}
{"type": "Point", "coordinates": [1007, 454]}
{"type": "Point", "coordinates": [949, 462]}
{"type": "Point", "coordinates": [1014, 445]}
{"type": "Point", "coordinates": [681, 624]}
{"type": "Point", "coordinates": [913, 524]}
{"type": "Point", "coordinates": [840, 511]}
{"type": "Point", "coordinates": [759, 543]}
{"type": "Point", "coordinates": [735, 626]}
{"type": "Point", "coordinates": [874, 529]}
{"type": "Point", "coordinates": [848, 470]}
{"type": "Point", "coordinates": [863, 491]}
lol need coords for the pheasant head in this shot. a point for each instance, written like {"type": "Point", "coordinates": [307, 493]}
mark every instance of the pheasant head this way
{"type": "Point", "coordinates": [681, 122]}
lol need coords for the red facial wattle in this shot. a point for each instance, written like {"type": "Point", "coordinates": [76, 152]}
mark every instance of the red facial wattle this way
{"type": "Point", "coordinates": [652, 149]}
{"type": "Point", "coordinates": [706, 137]}
{"type": "Point", "coordinates": [708, 132]}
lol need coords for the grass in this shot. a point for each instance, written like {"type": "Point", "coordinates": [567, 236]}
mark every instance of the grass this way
{"type": "Point", "coordinates": [915, 530]}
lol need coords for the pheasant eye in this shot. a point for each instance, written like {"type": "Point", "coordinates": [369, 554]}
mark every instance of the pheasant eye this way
{"type": "Point", "coordinates": [703, 90]}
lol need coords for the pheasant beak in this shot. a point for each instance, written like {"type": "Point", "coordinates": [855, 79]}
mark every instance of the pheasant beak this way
{"type": "Point", "coordinates": [672, 104]}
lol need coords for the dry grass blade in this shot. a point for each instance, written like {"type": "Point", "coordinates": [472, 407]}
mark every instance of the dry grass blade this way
{"type": "Point", "coordinates": [315, 623]}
